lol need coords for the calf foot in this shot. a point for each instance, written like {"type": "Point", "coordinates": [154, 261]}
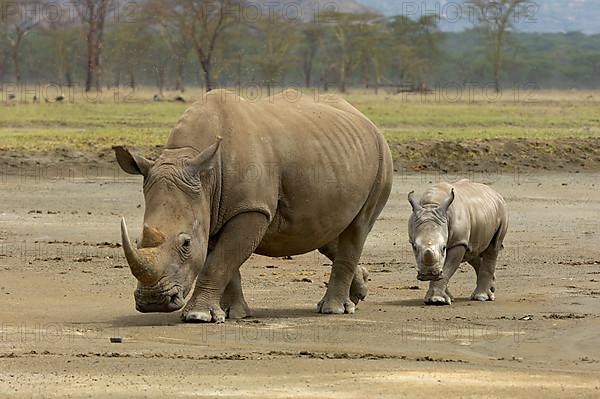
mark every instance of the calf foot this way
{"type": "Point", "coordinates": [437, 296]}
{"type": "Point", "coordinates": [359, 288]}
{"type": "Point", "coordinates": [332, 305]}
{"type": "Point", "coordinates": [199, 312]}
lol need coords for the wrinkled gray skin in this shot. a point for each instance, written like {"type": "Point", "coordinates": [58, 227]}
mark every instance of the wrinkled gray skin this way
{"type": "Point", "coordinates": [451, 224]}
{"type": "Point", "coordinates": [276, 178]}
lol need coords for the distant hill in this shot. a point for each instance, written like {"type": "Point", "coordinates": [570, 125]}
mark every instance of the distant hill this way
{"type": "Point", "coordinates": [551, 15]}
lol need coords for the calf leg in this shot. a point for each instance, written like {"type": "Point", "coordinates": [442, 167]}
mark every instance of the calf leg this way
{"type": "Point", "coordinates": [486, 277]}
{"type": "Point", "coordinates": [358, 288]}
{"type": "Point", "coordinates": [438, 293]}
{"type": "Point", "coordinates": [237, 241]}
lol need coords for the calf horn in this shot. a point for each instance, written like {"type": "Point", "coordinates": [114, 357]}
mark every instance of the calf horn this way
{"type": "Point", "coordinates": [141, 268]}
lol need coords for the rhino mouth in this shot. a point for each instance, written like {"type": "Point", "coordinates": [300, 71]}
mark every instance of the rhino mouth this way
{"type": "Point", "coordinates": [429, 277]}
{"type": "Point", "coordinates": [149, 300]}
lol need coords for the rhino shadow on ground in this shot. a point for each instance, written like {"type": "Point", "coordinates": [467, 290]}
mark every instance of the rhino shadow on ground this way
{"type": "Point", "coordinates": [146, 320]}
{"type": "Point", "coordinates": [418, 302]}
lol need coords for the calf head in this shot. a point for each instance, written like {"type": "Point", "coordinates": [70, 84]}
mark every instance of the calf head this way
{"type": "Point", "coordinates": [428, 234]}
{"type": "Point", "coordinates": [179, 191]}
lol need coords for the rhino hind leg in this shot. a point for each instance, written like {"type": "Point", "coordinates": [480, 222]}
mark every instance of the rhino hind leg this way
{"type": "Point", "coordinates": [337, 297]}
{"type": "Point", "coordinates": [359, 287]}
{"type": "Point", "coordinates": [486, 276]}
{"type": "Point", "coordinates": [350, 245]}
{"type": "Point", "coordinates": [233, 302]}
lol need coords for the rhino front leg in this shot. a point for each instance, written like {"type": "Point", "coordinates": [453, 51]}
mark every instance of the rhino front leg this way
{"type": "Point", "coordinates": [232, 301]}
{"type": "Point", "coordinates": [438, 293]}
{"type": "Point", "coordinates": [486, 277]}
{"type": "Point", "coordinates": [236, 242]}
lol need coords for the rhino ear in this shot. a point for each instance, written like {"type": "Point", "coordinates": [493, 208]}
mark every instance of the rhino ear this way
{"type": "Point", "coordinates": [447, 202]}
{"type": "Point", "coordinates": [132, 163]}
{"type": "Point", "coordinates": [413, 202]}
{"type": "Point", "coordinates": [204, 161]}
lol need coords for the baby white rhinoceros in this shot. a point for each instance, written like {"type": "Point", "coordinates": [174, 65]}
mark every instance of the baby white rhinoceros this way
{"type": "Point", "coordinates": [451, 224]}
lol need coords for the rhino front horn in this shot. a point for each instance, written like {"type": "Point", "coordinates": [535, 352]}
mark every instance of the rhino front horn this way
{"type": "Point", "coordinates": [141, 266]}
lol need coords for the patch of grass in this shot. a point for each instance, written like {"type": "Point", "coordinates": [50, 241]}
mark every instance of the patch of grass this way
{"type": "Point", "coordinates": [90, 127]}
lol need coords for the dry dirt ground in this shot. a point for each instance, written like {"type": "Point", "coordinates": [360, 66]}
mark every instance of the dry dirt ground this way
{"type": "Point", "coordinates": [65, 291]}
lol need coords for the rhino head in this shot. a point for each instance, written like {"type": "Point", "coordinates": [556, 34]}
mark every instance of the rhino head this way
{"type": "Point", "coordinates": [179, 188]}
{"type": "Point", "coordinates": [428, 233]}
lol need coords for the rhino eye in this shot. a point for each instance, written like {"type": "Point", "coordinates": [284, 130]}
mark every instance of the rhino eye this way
{"type": "Point", "coordinates": [185, 241]}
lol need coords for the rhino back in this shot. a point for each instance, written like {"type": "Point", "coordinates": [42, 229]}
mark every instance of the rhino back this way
{"type": "Point", "coordinates": [308, 166]}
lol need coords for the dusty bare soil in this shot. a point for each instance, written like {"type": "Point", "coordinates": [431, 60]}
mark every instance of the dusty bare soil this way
{"type": "Point", "coordinates": [65, 291]}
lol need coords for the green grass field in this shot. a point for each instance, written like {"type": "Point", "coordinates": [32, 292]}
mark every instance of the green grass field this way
{"type": "Point", "coordinates": [88, 127]}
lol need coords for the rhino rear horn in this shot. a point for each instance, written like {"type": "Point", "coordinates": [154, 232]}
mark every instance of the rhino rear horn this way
{"type": "Point", "coordinates": [413, 202]}
{"type": "Point", "coordinates": [151, 237]}
{"type": "Point", "coordinates": [201, 163]}
{"type": "Point", "coordinates": [447, 202]}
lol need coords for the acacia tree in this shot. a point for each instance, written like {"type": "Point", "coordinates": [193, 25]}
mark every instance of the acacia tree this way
{"type": "Point", "coordinates": [172, 24]}
{"type": "Point", "coordinates": [205, 22]}
{"type": "Point", "coordinates": [414, 46]}
{"type": "Point", "coordinates": [130, 44]}
{"type": "Point", "coordinates": [275, 59]}
{"type": "Point", "coordinates": [13, 30]}
{"type": "Point", "coordinates": [343, 33]}
{"type": "Point", "coordinates": [312, 40]}
{"type": "Point", "coordinates": [370, 35]}
{"type": "Point", "coordinates": [497, 18]}
{"type": "Point", "coordinates": [93, 17]}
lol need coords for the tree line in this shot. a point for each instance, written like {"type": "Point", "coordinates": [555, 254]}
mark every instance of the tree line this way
{"type": "Point", "coordinates": [176, 43]}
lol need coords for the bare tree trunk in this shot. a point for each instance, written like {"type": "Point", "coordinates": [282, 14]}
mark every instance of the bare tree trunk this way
{"type": "Point", "coordinates": [497, 59]}
{"type": "Point", "coordinates": [207, 71]}
{"type": "Point", "coordinates": [91, 58]}
{"type": "Point", "coordinates": [16, 63]}
{"type": "Point", "coordinates": [179, 85]}
{"type": "Point", "coordinates": [94, 38]}
{"type": "Point", "coordinates": [343, 75]}
{"type": "Point", "coordinates": [160, 78]}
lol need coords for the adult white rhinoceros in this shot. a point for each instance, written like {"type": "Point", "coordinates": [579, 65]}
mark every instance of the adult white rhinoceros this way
{"type": "Point", "coordinates": [273, 177]}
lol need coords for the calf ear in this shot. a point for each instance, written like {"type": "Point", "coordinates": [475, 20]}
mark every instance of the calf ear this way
{"type": "Point", "coordinates": [203, 162]}
{"type": "Point", "coordinates": [413, 202]}
{"type": "Point", "coordinates": [132, 163]}
{"type": "Point", "coordinates": [447, 202]}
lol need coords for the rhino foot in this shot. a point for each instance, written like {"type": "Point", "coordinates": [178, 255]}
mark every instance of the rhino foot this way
{"type": "Point", "coordinates": [336, 306]}
{"type": "Point", "coordinates": [203, 314]}
{"type": "Point", "coordinates": [359, 289]}
{"type": "Point", "coordinates": [487, 295]}
{"type": "Point", "coordinates": [237, 310]}
{"type": "Point", "coordinates": [438, 297]}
